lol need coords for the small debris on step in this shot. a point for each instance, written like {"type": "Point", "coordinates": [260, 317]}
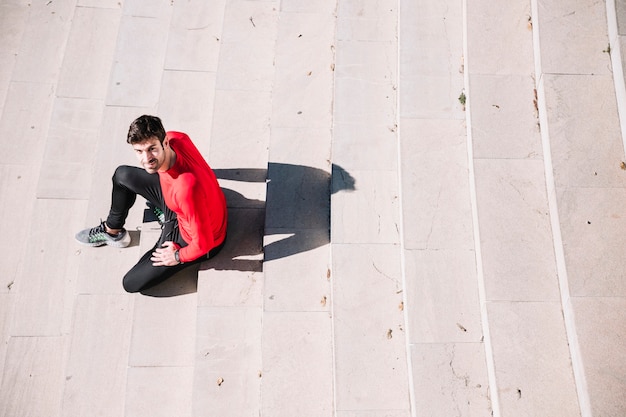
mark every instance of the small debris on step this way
{"type": "Point", "coordinates": [460, 326]}
{"type": "Point", "coordinates": [389, 334]}
{"type": "Point", "coordinates": [220, 381]}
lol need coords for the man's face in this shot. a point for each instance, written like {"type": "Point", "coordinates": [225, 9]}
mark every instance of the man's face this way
{"type": "Point", "coordinates": [150, 154]}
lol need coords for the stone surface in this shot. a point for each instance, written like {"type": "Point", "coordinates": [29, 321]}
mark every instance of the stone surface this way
{"type": "Point", "coordinates": [228, 367]}
{"type": "Point", "coordinates": [298, 365]}
{"type": "Point", "coordinates": [159, 391]}
{"type": "Point", "coordinates": [431, 59]}
{"type": "Point", "coordinates": [504, 120]}
{"type": "Point", "coordinates": [578, 157]}
{"type": "Point", "coordinates": [450, 379]}
{"type": "Point", "coordinates": [435, 187]}
{"type": "Point", "coordinates": [101, 338]}
{"type": "Point", "coordinates": [442, 296]}
{"type": "Point", "coordinates": [372, 306]}
{"type": "Point", "coordinates": [369, 212]}
{"type": "Point", "coordinates": [592, 222]}
{"type": "Point", "coordinates": [516, 239]}
{"type": "Point", "coordinates": [602, 333]}
{"type": "Point", "coordinates": [370, 357]}
{"type": "Point", "coordinates": [532, 364]}
{"type": "Point", "coordinates": [573, 37]}
{"type": "Point", "coordinates": [93, 35]}
{"type": "Point", "coordinates": [33, 376]}
{"type": "Point", "coordinates": [500, 37]}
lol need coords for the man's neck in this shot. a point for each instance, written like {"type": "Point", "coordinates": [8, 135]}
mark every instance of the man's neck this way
{"type": "Point", "coordinates": [170, 161]}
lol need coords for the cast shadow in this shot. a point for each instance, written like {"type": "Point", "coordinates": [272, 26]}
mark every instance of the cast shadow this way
{"type": "Point", "coordinates": [296, 213]}
{"type": "Point", "coordinates": [294, 218]}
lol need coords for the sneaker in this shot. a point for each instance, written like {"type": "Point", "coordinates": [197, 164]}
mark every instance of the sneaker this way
{"type": "Point", "coordinates": [97, 236]}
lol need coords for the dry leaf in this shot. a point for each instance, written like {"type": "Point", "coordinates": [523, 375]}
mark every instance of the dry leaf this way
{"type": "Point", "coordinates": [220, 381]}
{"type": "Point", "coordinates": [623, 165]}
{"type": "Point", "coordinates": [323, 302]}
{"type": "Point", "coordinates": [389, 332]}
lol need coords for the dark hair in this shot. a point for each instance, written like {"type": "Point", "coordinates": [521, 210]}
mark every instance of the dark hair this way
{"type": "Point", "coordinates": [144, 128]}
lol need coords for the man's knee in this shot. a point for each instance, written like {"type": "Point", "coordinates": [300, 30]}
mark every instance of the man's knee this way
{"type": "Point", "coordinates": [131, 284]}
{"type": "Point", "coordinates": [123, 174]}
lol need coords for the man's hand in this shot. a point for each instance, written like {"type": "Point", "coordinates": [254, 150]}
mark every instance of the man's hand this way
{"type": "Point", "coordinates": [164, 256]}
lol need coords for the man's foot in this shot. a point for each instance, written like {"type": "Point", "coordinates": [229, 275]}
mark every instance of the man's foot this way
{"type": "Point", "coordinates": [98, 236]}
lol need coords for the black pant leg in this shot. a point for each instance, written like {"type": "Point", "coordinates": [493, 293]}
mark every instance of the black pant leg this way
{"type": "Point", "coordinates": [129, 181]}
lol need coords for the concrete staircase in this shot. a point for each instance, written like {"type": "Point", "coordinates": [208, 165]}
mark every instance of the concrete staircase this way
{"type": "Point", "coordinates": [425, 205]}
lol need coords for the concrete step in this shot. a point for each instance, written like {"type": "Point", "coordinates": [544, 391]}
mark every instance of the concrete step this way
{"type": "Point", "coordinates": [394, 248]}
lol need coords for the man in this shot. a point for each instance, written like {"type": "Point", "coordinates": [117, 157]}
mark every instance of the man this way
{"type": "Point", "coordinates": [181, 186]}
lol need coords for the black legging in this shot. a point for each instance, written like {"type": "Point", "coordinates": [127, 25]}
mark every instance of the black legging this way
{"type": "Point", "coordinates": [129, 181]}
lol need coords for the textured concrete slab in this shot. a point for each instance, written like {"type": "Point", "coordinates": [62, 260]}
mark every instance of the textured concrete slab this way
{"type": "Point", "coordinates": [89, 53]}
{"type": "Point", "coordinates": [26, 113]}
{"type": "Point", "coordinates": [297, 274]}
{"type": "Point", "coordinates": [578, 157]}
{"type": "Point", "coordinates": [163, 332]}
{"type": "Point", "coordinates": [66, 171]}
{"type": "Point", "coordinates": [303, 83]}
{"type": "Point", "coordinates": [194, 37]}
{"type": "Point", "coordinates": [33, 376]}
{"type": "Point", "coordinates": [450, 379]}
{"type": "Point", "coordinates": [436, 205]}
{"type": "Point", "coordinates": [238, 141]}
{"type": "Point", "coordinates": [247, 66]}
{"type": "Point", "coordinates": [308, 147]}
{"type": "Point", "coordinates": [6, 316]}
{"type": "Point", "coordinates": [374, 413]}
{"type": "Point", "coordinates": [573, 37]}
{"type": "Point", "coordinates": [17, 188]}
{"type": "Point", "coordinates": [516, 239]}
{"type": "Point", "coordinates": [356, 101]}
{"type": "Point", "coordinates": [364, 147]}
{"type": "Point", "coordinates": [504, 120]}
{"type": "Point", "coordinates": [13, 19]}
{"type": "Point", "coordinates": [533, 368]}
{"type": "Point", "coordinates": [132, 84]}
{"type": "Point", "coordinates": [592, 223]}
{"type": "Point", "coordinates": [365, 87]}
{"type": "Point", "coordinates": [45, 284]}
{"type": "Point", "coordinates": [234, 278]}
{"type": "Point", "coordinates": [369, 213]}
{"type": "Point", "coordinates": [186, 104]}
{"type": "Point", "coordinates": [39, 57]}
{"type": "Point", "coordinates": [367, 20]}
{"type": "Point", "coordinates": [431, 59]}
{"type": "Point", "coordinates": [298, 364]}
{"type": "Point", "coordinates": [228, 362]}
{"type": "Point", "coordinates": [442, 296]}
{"type": "Point", "coordinates": [370, 358]}
{"type": "Point", "coordinates": [98, 356]}
{"type": "Point", "coordinates": [500, 38]}
{"type": "Point", "coordinates": [602, 334]}
{"type": "Point", "coordinates": [159, 391]}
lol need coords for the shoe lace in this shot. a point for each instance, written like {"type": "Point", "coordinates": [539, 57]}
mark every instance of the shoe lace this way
{"type": "Point", "coordinates": [97, 231]}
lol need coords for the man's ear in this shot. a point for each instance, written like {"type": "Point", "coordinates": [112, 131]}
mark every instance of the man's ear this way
{"type": "Point", "coordinates": [166, 142]}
